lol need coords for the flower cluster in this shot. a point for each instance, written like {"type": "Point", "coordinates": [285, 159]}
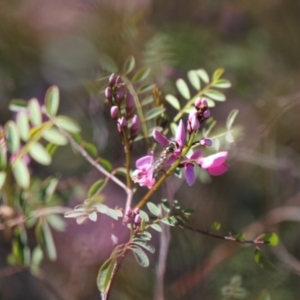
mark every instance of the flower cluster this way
{"type": "Point", "coordinates": [132, 216]}
{"type": "Point", "coordinates": [122, 108]}
{"type": "Point", "coordinates": [215, 164]}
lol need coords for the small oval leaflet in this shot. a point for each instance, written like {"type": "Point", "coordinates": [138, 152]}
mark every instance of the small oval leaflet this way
{"type": "Point", "coordinates": [39, 154]}
{"type": "Point", "coordinates": [141, 74]}
{"type": "Point", "coordinates": [154, 209]}
{"type": "Point", "coordinates": [52, 100]}
{"type": "Point", "coordinates": [35, 114]}
{"type": "Point", "coordinates": [68, 124]}
{"type": "Point", "coordinates": [129, 65]}
{"type": "Point", "coordinates": [194, 79]}
{"type": "Point", "coordinates": [183, 88]}
{"type": "Point", "coordinates": [140, 256]}
{"type": "Point", "coordinates": [154, 112]}
{"type": "Point", "coordinates": [172, 100]}
{"type": "Point", "coordinates": [23, 125]}
{"type": "Point", "coordinates": [12, 136]}
{"type": "Point", "coordinates": [105, 275]}
{"type": "Point", "coordinates": [54, 136]}
{"type": "Point", "coordinates": [215, 95]}
{"type": "Point", "coordinates": [223, 84]}
{"type": "Point", "coordinates": [203, 75]}
{"type": "Point", "coordinates": [21, 173]}
{"type": "Point", "coordinates": [49, 242]}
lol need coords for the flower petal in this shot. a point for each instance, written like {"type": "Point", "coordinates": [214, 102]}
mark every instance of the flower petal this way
{"type": "Point", "coordinates": [160, 138]}
{"type": "Point", "coordinates": [190, 174]}
{"type": "Point", "coordinates": [145, 162]}
{"type": "Point", "coordinates": [219, 170]}
{"type": "Point", "coordinates": [195, 155]}
{"type": "Point", "coordinates": [214, 160]}
{"type": "Point", "coordinates": [180, 134]}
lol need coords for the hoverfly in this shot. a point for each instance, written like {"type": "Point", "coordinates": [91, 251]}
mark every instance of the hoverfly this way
{"type": "Point", "coordinates": [163, 157]}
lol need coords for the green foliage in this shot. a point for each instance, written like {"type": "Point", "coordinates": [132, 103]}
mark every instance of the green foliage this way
{"type": "Point", "coordinates": [262, 261]}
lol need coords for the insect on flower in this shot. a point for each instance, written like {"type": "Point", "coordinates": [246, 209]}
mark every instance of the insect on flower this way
{"type": "Point", "coordinates": [164, 156]}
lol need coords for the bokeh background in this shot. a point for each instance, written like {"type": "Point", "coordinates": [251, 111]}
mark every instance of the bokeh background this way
{"type": "Point", "coordinates": [70, 43]}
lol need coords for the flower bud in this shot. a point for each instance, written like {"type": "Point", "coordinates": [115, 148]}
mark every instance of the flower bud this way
{"type": "Point", "coordinates": [128, 211]}
{"type": "Point", "coordinates": [119, 80]}
{"type": "Point", "coordinates": [120, 93]}
{"type": "Point", "coordinates": [137, 219]}
{"type": "Point", "coordinates": [122, 122]}
{"type": "Point", "coordinates": [206, 114]}
{"type": "Point", "coordinates": [201, 103]}
{"type": "Point", "coordinates": [206, 142]}
{"type": "Point", "coordinates": [136, 211]}
{"type": "Point", "coordinates": [193, 122]}
{"type": "Point", "coordinates": [112, 79]}
{"type": "Point", "coordinates": [114, 112]}
{"type": "Point", "coordinates": [108, 93]}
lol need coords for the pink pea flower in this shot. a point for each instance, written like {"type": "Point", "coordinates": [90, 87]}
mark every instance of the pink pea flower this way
{"type": "Point", "coordinates": [143, 175]}
{"type": "Point", "coordinates": [214, 164]}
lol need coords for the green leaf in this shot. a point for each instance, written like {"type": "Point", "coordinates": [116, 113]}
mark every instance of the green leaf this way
{"type": "Point", "coordinates": [129, 65]}
{"type": "Point", "coordinates": [272, 238]}
{"type": "Point", "coordinates": [229, 137]}
{"type": "Point", "coordinates": [166, 205]}
{"type": "Point", "coordinates": [39, 154]}
{"type": "Point", "coordinates": [21, 173]}
{"type": "Point", "coordinates": [176, 204]}
{"type": "Point", "coordinates": [23, 125]}
{"type": "Point", "coordinates": [52, 100]}
{"type": "Point", "coordinates": [145, 88]}
{"type": "Point", "coordinates": [54, 136]}
{"type": "Point", "coordinates": [17, 105]}
{"type": "Point", "coordinates": [145, 245]}
{"type": "Point", "coordinates": [12, 136]}
{"type": "Point", "coordinates": [96, 188]}
{"type": "Point", "coordinates": [215, 95]}
{"type": "Point", "coordinates": [105, 275]}
{"type": "Point", "coordinates": [217, 74]}
{"type": "Point", "coordinates": [203, 75]}
{"type": "Point", "coordinates": [147, 101]}
{"type": "Point", "coordinates": [231, 117]}
{"type": "Point", "coordinates": [140, 256]}
{"type": "Point", "coordinates": [183, 88]}
{"type": "Point", "coordinates": [107, 63]}
{"type": "Point", "coordinates": [90, 149]}
{"type": "Point", "coordinates": [3, 158]}
{"type": "Point", "coordinates": [145, 235]}
{"type": "Point", "coordinates": [188, 211]}
{"type": "Point", "coordinates": [169, 221]}
{"type": "Point", "coordinates": [114, 213]}
{"type": "Point", "coordinates": [35, 114]}
{"type": "Point", "coordinates": [264, 295]}
{"type": "Point", "coordinates": [216, 226]}
{"type": "Point", "coordinates": [51, 148]}
{"type": "Point", "coordinates": [49, 242]}
{"type": "Point", "coordinates": [194, 79]}
{"type": "Point", "coordinates": [173, 101]}
{"type": "Point", "coordinates": [262, 261]}
{"type": "Point", "coordinates": [216, 144]}
{"type": "Point", "coordinates": [144, 215]}
{"type": "Point", "coordinates": [140, 75]}
{"type": "Point", "coordinates": [36, 259]}
{"type": "Point", "coordinates": [67, 124]}
{"type": "Point", "coordinates": [154, 112]}
{"type": "Point", "coordinates": [57, 222]}
{"type": "Point", "coordinates": [2, 179]}
{"type": "Point", "coordinates": [154, 209]}
{"type": "Point", "coordinates": [222, 84]}
{"type": "Point", "coordinates": [105, 164]}
{"type": "Point", "coordinates": [156, 227]}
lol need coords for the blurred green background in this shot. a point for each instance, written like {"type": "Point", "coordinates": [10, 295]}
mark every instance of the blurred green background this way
{"type": "Point", "coordinates": [70, 43]}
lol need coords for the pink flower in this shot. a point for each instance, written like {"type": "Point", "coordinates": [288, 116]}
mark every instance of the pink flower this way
{"type": "Point", "coordinates": [214, 164]}
{"type": "Point", "coordinates": [143, 175]}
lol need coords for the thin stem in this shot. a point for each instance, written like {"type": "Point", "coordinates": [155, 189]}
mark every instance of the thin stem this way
{"type": "Point", "coordinates": [128, 158]}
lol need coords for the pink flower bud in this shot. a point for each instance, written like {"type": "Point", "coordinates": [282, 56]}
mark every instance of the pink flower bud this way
{"type": "Point", "coordinates": [114, 112]}
{"type": "Point", "coordinates": [201, 103]}
{"type": "Point", "coordinates": [120, 93]}
{"type": "Point", "coordinates": [129, 101]}
{"type": "Point", "coordinates": [195, 124]}
{"type": "Point", "coordinates": [136, 211]}
{"type": "Point", "coordinates": [128, 211]}
{"type": "Point", "coordinates": [206, 142]}
{"type": "Point", "coordinates": [108, 93]}
{"type": "Point", "coordinates": [119, 80]}
{"type": "Point", "coordinates": [112, 79]}
{"type": "Point", "coordinates": [122, 122]}
{"type": "Point", "coordinates": [206, 114]}
{"type": "Point", "coordinates": [137, 219]}
{"type": "Point", "coordinates": [135, 125]}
